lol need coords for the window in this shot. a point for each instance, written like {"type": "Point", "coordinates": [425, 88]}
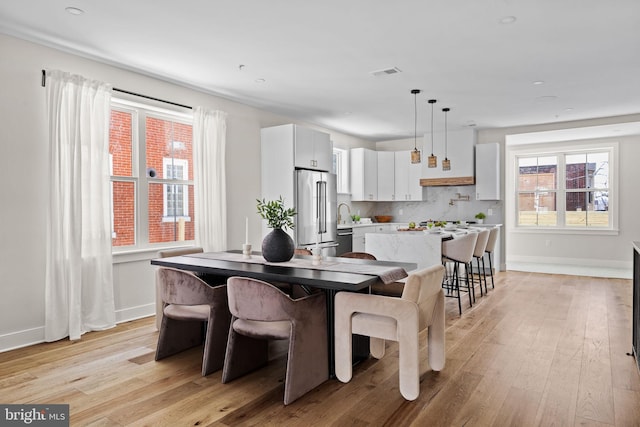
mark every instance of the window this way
{"type": "Point", "coordinates": [152, 175]}
{"type": "Point", "coordinates": [569, 189]}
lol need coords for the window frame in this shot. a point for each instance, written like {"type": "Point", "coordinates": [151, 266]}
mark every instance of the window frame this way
{"type": "Point", "coordinates": [141, 178]}
{"type": "Point", "coordinates": [168, 161]}
{"type": "Point", "coordinates": [560, 150]}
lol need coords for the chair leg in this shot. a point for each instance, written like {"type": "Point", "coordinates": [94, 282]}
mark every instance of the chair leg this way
{"type": "Point", "coordinates": [436, 337]}
{"type": "Point", "coordinates": [470, 286]}
{"type": "Point", "coordinates": [177, 335]}
{"type": "Point", "coordinates": [409, 364]}
{"type": "Point", "coordinates": [215, 343]}
{"type": "Point", "coordinates": [479, 277]}
{"type": "Point", "coordinates": [244, 354]}
{"type": "Point", "coordinates": [484, 275]}
{"type": "Point", "coordinates": [491, 271]}
{"type": "Point", "coordinates": [456, 279]}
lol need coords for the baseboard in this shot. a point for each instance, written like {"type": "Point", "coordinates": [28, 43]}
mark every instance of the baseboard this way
{"type": "Point", "coordinates": [573, 267]}
{"type": "Point", "coordinates": [27, 337]}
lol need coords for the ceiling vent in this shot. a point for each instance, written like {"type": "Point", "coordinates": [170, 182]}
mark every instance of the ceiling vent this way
{"type": "Point", "coordinates": [386, 72]}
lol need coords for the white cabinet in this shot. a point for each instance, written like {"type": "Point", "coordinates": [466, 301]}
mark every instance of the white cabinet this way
{"type": "Point", "coordinates": [407, 177]}
{"type": "Point", "coordinates": [364, 174]}
{"type": "Point", "coordinates": [386, 176]}
{"type": "Point", "coordinates": [312, 149]}
{"type": "Point", "coordinates": [306, 148]}
{"type": "Point", "coordinates": [459, 151]}
{"type": "Point", "coordinates": [358, 241]}
{"type": "Point", "coordinates": [488, 171]}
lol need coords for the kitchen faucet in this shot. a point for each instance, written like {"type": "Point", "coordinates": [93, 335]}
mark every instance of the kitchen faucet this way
{"type": "Point", "coordinates": [348, 210]}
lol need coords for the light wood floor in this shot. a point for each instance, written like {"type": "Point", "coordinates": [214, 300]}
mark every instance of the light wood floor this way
{"type": "Point", "coordinates": [541, 349]}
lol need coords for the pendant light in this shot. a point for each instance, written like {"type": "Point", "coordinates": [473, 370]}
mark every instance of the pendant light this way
{"type": "Point", "coordinates": [432, 160]}
{"type": "Point", "coordinates": [446, 163]}
{"type": "Point", "coordinates": [415, 154]}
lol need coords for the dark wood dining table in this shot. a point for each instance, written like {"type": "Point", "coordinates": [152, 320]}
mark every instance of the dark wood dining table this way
{"type": "Point", "coordinates": [334, 274]}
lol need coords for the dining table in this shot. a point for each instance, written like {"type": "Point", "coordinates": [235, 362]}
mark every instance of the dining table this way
{"type": "Point", "coordinates": [330, 275]}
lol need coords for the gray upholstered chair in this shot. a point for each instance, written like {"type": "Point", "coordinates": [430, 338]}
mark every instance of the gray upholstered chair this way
{"type": "Point", "coordinates": [262, 312]}
{"type": "Point", "coordinates": [165, 254]}
{"type": "Point", "coordinates": [188, 302]}
{"type": "Point", "coordinates": [398, 319]}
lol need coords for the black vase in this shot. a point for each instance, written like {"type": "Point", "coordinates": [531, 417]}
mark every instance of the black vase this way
{"type": "Point", "coordinates": [278, 246]}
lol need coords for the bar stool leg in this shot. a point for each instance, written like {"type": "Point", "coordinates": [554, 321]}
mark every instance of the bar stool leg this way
{"type": "Point", "coordinates": [491, 271]}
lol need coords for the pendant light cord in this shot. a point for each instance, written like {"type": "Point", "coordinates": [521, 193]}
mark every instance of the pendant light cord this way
{"type": "Point", "coordinates": [415, 121]}
{"type": "Point", "coordinates": [445, 132]}
{"type": "Point", "coordinates": [432, 101]}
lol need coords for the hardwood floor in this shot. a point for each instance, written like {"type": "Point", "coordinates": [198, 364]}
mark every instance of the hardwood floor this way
{"type": "Point", "coordinates": [540, 349]}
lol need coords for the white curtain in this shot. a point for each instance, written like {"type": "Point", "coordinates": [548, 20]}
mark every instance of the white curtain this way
{"type": "Point", "coordinates": [79, 275]}
{"type": "Point", "coordinates": [209, 142]}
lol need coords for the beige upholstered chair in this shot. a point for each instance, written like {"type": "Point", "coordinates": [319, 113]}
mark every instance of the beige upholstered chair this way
{"type": "Point", "coordinates": [398, 319]}
{"type": "Point", "coordinates": [302, 251]}
{"type": "Point", "coordinates": [262, 312]}
{"type": "Point", "coordinates": [459, 251]}
{"type": "Point", "coordinates": [478, 254]}
{"type": "Point", "coordinates": [166, 254]}
{"type": "Point", "coordinates": [491, 246]}
{"type": "Point", "coordinates": [188, 302]}
{"type": "Point", "coordinates": [393, 289]}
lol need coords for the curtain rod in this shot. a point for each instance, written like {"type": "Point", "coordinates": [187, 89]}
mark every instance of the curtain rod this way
{"type": "Point", "coordinates": [44, 80]}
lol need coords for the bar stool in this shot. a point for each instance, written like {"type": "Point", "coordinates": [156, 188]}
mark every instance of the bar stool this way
{"type": "Point", "coordinates": [459, 251]}
{"type": "Point", "coordinates": [491, 246]}
{"type": "Point", "coordinates": [478, 253]}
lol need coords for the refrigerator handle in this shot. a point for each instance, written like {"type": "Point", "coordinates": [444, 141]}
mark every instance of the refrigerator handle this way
{"type": "Point", "coordinates": [321, 188]}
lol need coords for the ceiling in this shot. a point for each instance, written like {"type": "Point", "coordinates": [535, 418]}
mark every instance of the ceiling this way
{"type": "Point", "coordinates": [495, 63]}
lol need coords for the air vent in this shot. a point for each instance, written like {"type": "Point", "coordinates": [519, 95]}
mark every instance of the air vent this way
{"type": "Point", "coordinates": [386, 72]}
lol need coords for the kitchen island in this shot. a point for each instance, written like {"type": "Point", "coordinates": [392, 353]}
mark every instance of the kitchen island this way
{"type": "Point", "coordinates": [407, 246]}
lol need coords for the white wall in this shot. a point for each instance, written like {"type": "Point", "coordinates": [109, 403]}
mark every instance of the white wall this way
{"type": "Point", "coordinates": [602, 255]}
{"type": "Point", "coordinates": [23, 171]}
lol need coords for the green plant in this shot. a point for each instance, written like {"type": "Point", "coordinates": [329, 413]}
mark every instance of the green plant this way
{"type": "Point", "coordinates": [276, 214]}
{"type": "Point", "coordinates": [480, 215]}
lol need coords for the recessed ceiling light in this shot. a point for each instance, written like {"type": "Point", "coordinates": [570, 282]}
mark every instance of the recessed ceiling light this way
{"type": "Point", "coordinates": [74, 10]}
{"type": "Point", "coordinates": [260, 80]}
{"type": "Point", "coordinates": [568, 110]}
{"type": "Point", "coordinates": [508, 20]}
{"type": "Point", "coordinates": [538, 82]}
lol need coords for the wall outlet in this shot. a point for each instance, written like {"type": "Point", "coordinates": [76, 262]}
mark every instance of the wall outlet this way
{"type": "Point", "coordinates": [489, 212]}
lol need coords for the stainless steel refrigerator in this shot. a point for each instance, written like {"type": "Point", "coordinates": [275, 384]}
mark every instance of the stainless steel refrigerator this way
{"type": "Point", "coordinates": [315, 202]}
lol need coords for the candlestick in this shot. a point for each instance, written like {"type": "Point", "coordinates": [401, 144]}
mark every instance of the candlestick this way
{"type": "Point", "coordinates": [246, 229]}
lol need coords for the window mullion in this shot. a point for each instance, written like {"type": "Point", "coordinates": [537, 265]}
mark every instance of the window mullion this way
{"type": "Point", "coordinates": [142, 197]}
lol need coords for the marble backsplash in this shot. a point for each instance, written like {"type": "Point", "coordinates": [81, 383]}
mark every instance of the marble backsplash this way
{"type": "Point", "coordinates": [435, 205]}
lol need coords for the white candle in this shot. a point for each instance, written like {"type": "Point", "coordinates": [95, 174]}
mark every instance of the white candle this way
{"type": "Point", "coordinates": [246, 229]}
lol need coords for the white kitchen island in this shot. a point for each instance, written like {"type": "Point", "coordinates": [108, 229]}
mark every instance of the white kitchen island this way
{"type": "Point", "coordinates": [407, 246]}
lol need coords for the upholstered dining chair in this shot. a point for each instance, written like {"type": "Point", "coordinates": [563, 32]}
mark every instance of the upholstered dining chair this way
{"type": "Point", "coordinates": [393, 289]}
{"type": "Point", "coordinates": [478, 254]}
{"type": "Point", "coordinates": [188, 302]}
{"type": "Point", "coordinates": [491, 246]}
{"type": "Point", "coordinates": [459, 251]}
{"type": "Point", "coordinates": [302, 251]}
{"type": "Point", "coordinates": [165, 254]}
{"type": "Point", "coordinates": [262, 312]}
{"type": "Point", "coordinates": [399, 319]}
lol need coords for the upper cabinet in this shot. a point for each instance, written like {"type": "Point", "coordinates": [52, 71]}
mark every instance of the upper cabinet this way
{"type": "Point", "coordinates": [309, 148]}
{"type": "Point", "coordinates": [386, 176]}
{"type": "Point", "coordinates": [407, 177]}
{"type": "Point", "coordinates": [488, 171]}
{"type": "Point", "coordinates": [460, 151]}
{"type": "Point", "coordinates": [364, 174]}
